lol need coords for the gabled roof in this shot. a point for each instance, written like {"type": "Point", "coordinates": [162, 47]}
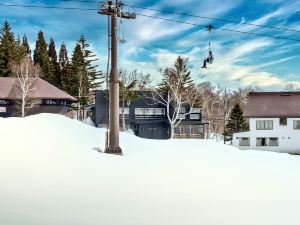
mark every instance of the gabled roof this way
{"type": "Point", "coordinates": [273, 104]}
{"type": "Point", "coordinates": [43, 90]}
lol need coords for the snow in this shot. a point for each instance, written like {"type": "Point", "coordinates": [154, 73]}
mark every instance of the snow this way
{"type": "Point", "coordinates": [51, 174]}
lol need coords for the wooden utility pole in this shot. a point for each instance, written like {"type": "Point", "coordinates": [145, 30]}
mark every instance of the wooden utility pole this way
{"type": "Point", "coordinates": [114, 10]}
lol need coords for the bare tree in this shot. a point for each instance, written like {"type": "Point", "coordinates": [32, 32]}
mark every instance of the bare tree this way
{"type": "Point", "coordinates": [175, 92]}
{"type": "Point", "coordinates": [26, 74]}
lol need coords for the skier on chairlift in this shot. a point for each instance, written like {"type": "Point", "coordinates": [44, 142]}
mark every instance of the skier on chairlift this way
{"type": "Point", "coordinates": [210, 58]}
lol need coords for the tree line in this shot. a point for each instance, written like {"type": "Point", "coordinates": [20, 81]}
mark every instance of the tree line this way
{"type": "Point", "coordinates": [78, 76]}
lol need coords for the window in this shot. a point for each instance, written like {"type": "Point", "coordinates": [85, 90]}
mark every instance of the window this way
{"type": "Point", "coordinates": [4, 102]}
{"type": "Point", "coordinates": [194, 116]}
{"type": "Point", "coordinates": [273, 141]}
{"type": "Point", "coordinates": [283, 121]}
{"type": "Point", "coordinates": [296, 124]}
{"type": "Point", "coordinates": [195, 110]}
{"type": "Point", "coordinates": [244, 141]}
{"type": "Point", "coordinates": [149, 111]}
{"type": "Point", "coordinates": [181, 113]}
{"type": "Point", "coordinates": [2, 109]}
{"type": "Point", "coordinates": [196, 129]}
{"type": "Point", "coordinates": [261, 141]}
{"type": "Point", "coordinates": [139, 111]}
{"type": "Point", "coordinates": [264, 125]}
{"type": "Point", "coordinates": [126, 111]}
{"type": "Point", "coordinates": [159, 111]}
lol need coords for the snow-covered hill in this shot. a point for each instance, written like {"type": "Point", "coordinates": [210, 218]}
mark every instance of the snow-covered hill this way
{"type": "Point", "coordinates": [51, 174]}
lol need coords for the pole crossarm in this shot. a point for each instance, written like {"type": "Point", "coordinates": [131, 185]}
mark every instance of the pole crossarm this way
{"type": "Point", "coordinates": [108, 8]}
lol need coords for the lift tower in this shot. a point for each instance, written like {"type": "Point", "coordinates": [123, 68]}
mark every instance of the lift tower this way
{"type": "Point", "coordinates": [114, 10]}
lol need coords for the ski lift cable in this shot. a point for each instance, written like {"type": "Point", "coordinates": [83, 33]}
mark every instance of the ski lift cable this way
{"type": "Point", "coordinates": [220, 28]}
{"type": "Point", "coordinates": [154, 17]}
{"type": "Point", "coordinates": [192, 15]}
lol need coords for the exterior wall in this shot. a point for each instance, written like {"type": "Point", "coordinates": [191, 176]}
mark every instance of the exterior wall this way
{"type": "Point", "coordinates": [288, 137]}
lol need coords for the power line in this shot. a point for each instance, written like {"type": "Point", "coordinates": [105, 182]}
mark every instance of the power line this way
{"type": "Point", "coordinates": [217, 19]}
{"type": "Point", "coordinates": [196, 16]}
{"type": "Point", "coordinates": [219, 28]}
{"type": "Point", "coordinates": [48, 7]}
{"type": "Point", "coordinates": [154, 17]}
{"type": "Point", "coordinates": [87, 1]}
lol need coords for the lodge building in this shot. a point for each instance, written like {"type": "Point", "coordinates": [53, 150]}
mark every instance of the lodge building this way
{"type": "Point", "coordinates": [47, 98]}
{"type": "Point", "coordinates": [148, 119]}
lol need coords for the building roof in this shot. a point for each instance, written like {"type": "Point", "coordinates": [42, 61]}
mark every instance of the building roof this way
{"type": "Point", "coordinates": [273, 104]}
{"type": "Point", "coordinates": [43, 90]}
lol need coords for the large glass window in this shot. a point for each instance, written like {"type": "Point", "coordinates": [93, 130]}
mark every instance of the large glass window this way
{"type": "Point", "coordinates": [261, 142]}
{"type": "Point", "coordinates": [149, 111]}
{"type": "Point", "coordinates": [195, 110]}
{"type": "Point", "coordinates": [194, 116]}
{"type": "Point", "coordinates": [139, 111]}
{"type": "Point", "coordinates": [264, 125]}
{"type": "Point", "coordinates": [244, 141]}
{"type": "Point", "coordinates": [296, 124]}
{"type": "Point", "coordinates": [273, 141]}
{"type": "Point", "coordinates": [159, 111]}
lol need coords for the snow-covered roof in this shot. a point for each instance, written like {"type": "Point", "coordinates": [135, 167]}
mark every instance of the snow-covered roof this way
{"type": "Point", "coordinates": [43, 90]}
{"type": "Point", "coordinates": [273, 104]}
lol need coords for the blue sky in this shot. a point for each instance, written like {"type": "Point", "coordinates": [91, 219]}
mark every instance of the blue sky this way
{"type": "Point", "coordinates": [240, 60]}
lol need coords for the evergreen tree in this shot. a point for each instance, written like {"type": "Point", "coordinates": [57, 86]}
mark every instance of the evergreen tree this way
{"type": "Point", "coordinates": [65, 69]}
{"type": "Point", "coordinates": [41, 57]}
{"type": "Point", "coordinates": [78, 82]}
{"type": "Point", "coordinates": [179, 75]}
{"type": "Point", "coordinates": [40, 54]}
{"type": "Point", "coordinates": [236, 122]}
{"type": "Point", "coordinates": [55, 76]}
{"type": "Point", "coordinates": [20, 51]}
{"type": "Point", "coordinates": [8, 50]}
{"type": "Point", "coordinates": [26, 46]}
{"type": "Point", "coordinates": [94, 77]}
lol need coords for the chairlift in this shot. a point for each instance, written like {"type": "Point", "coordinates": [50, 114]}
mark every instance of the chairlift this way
{"type": "Point", "coordinates": [210, 58]}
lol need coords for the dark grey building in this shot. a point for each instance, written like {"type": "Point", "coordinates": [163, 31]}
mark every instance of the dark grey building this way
{"type": "Point", "coordinates": [148, 119]}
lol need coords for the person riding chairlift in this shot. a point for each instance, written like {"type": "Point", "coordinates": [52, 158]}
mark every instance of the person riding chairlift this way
{"type": "Point", "coordinates": [209, 59]}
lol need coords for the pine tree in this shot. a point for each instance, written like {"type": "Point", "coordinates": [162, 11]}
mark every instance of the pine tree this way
{"type": "Point", "coordinates": [236, 122]}
{"type": "Point", "coordinates": [95, 78]}
{"type": "Point", "coordinates": [40, 52]}
{"type": "Point", "coordinates": [8, 50]}
{"type": "Point", "coordinates": [55, 76]}
{"type": "Point", "coordinates": [26, 46]}
{"type": "Point", "coordinates": [65, 69]}
{"type": "Point", "coordinates": [20, 51]}
{"type": "Point", "coordinates": [178, 75]}
{"type": "Point", "coordinates": [41, 57]}
{"type": "Point", "coordinates": [78, 82]}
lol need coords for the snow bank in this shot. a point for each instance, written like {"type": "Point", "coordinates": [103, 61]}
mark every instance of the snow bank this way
{"type": "Point", "coordinates": [51, 175]}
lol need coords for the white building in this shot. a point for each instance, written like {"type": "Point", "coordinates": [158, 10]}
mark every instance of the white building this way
{"type": "Point", "coordinates": [274, 122]}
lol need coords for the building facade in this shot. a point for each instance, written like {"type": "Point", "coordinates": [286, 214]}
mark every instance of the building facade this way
{"type": "Point", "coordinates": [47, 98]}
{"type": "Point", "coordinates": [274, 122]}
{"type": "Point", "coordinates": [148, 119]}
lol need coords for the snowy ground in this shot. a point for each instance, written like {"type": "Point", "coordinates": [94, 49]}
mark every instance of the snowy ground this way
{"type": "Point", "coordinates": [50, 175]}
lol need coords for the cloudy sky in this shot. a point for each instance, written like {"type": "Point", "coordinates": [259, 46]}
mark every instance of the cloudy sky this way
{"type": "Point", "coordinates": [240, 60]}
